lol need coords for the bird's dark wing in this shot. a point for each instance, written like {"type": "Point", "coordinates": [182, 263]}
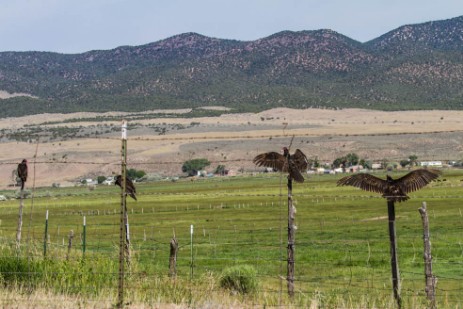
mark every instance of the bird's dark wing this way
{"type": "Point", "coordinates": [272, 159]}
{"type": "Point", "coordinates": [131, 186]}
{"type": "Point", "coordinates": [365, 182]}
{"type": "Point", "coordinates": [416, 179]}
{"type": "Point", "coordinates": [300, 160]}
{"type": "Point", "coordinates": [294, 172]}
{"type": "Point", "coordinates": [130, 189]}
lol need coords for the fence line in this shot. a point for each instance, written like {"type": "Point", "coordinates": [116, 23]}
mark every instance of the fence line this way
{"type": "Point", "coordinates": [162, 162]}
{"type": "Point", "coordinates": [328, 226]}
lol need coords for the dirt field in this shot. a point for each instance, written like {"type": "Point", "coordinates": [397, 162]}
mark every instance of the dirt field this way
{"type": "Point", "coordinates": [231, 139]}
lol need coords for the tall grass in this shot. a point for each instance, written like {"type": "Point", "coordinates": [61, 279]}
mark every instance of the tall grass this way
{"type": "Point", "coordinates": [57, 274]}
{"type": "Point", "coordinates": [342, 248]}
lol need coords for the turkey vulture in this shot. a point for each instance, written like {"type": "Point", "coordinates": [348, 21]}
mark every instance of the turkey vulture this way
{"type": "Point", "coordinates": [129, 187]}
{"type": "Point", "coordinates": [394, 190]}
{"type": "Point", "coordinates": [22, 172]}
{"type": "Point", "coordinates": [294, 164]}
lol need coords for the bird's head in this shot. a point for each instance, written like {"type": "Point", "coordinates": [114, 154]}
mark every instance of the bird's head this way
{"type": "Point", "coordinates": [24, 161]}
{"type": "Point", "coordinates": [285, 151]}
{"type": "Point", "coordinates": [389, 178]}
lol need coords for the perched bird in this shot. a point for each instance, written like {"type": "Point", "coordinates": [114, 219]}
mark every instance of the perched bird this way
{"type": "Point", "coordinates": [394, 190]}
{"type": "Point", "coordinates": [22, 172]}
{"type": "Point", "coordinates": [294, 164]}
{"type": "Point", "coordinates": [129, 187]}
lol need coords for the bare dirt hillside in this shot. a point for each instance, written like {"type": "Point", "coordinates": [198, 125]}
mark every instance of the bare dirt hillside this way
{"type": "Point", "coordinates": [231, 139]}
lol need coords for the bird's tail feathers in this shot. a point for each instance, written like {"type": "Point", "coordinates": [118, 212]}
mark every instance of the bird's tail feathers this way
{"type": "Point", "coordinates": [396, 198]}
{"type": "Point", "coordinates": [297, 176]}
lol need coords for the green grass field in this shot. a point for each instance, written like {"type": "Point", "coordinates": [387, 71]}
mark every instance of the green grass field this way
{"type": "Point", "coordinates": [342, 244]}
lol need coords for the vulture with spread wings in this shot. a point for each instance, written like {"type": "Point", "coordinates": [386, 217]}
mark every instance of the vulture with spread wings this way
{"type": "Point", "coordinates": [394, 190]}
{"type": "Point", "coordinates": [293, 164]}
{"type": "Point", "coordinates": [129, 187]}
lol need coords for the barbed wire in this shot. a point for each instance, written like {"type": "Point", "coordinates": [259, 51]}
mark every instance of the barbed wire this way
{"type": "Point", "coordinates": [321, 280]}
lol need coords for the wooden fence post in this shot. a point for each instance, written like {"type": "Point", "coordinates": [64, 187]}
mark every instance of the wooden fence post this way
{"type": "Point", "coordinates": [71, 236]}
{"type": "Point", "coordinates": [20, 220]}
{"type": "Point", "coordinates": [431, 280]}
{"type": "Point", "coordinates": [394, 259]}
{"type": "Point", "coordinates": [123, 216]}
{"type": "Point", "coordinates": [173, 257]}
{"type": "Point", "coordinates": [291, 239]}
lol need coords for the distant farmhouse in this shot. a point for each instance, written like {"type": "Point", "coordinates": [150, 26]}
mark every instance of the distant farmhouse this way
{"type": "Point", "coordinates": [431, 163]}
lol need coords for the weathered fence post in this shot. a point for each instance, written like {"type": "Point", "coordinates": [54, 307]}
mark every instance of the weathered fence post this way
{"type": "Point", "coordinates": [122, 229]}
{"type": "Point", "coordinates": [71, 236]}
{"type": "Point", "coordinates": [394, 259]}
{"type": "Point", "coordinates": [20, 220]}
{"type": "Point", "coordinates": [291, 239]}
{"type": "Point", "coordinates": [173, 257]}
{"type": "Point", "coordinates": [431, 280]}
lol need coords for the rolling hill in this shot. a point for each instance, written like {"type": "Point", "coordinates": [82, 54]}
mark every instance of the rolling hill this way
{"type": "Point", "coordinates": [412, 67]}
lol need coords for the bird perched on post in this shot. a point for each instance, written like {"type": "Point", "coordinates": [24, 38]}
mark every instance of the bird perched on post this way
{"type": "Point", "coordinates": [293, 164]}
{"type": "Point", "coordinates": [129, 187]}
{"type": "Point", "coordinates": [22, 172]}
{"type": "Point", "coordinates": [394, 190]}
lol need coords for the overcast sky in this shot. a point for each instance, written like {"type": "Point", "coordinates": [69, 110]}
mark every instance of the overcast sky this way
{"type": "Point", "coordinates": [75, 26]}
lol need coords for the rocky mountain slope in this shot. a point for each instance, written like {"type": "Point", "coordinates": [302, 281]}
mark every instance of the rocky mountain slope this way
{"type": "Point", "coordinates": [413, 67]}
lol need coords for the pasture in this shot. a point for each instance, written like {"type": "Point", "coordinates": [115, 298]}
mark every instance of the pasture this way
{"type": "Point", "coordinates": [341, 254]}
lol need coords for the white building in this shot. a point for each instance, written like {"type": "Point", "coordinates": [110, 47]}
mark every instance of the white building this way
{"type": "Point", "coordinates": [431, 163]}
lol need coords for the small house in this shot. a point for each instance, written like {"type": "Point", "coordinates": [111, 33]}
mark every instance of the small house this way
{"type": "Point", "coordinates": [431, 163]}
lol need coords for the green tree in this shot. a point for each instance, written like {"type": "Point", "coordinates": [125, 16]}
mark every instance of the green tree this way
{"type": "Point", "coordinates": [193, 166]}
{"type": "Point", "coordinates": [220, 169]}
{"type": "Point", "coordinates": [404, 163]}
{"type": "Point", "coordinates": [315, 163]}
{"type": "Point", "coordinates": [338, 162]}
{"type": "Point", "coordinates": [100, 179]}
{"type": "Point", "coordinates": [366, 164]}
{"type": "Point", "coordinates": [135, 174]}
{"type": "Point", "coordinates": [352, 159]}
{"type": "Point", "coordinates": [346, 161]}
{"type": "Point", "coordinates": [413, 160]}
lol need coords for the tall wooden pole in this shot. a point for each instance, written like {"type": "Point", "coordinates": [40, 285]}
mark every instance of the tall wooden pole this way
{"type": "Point", "coordinates": [291, 239]}
{"type": "Point", "coordinates": [394, 260]}
{"type": "Point", "coordinates": [122, 236]}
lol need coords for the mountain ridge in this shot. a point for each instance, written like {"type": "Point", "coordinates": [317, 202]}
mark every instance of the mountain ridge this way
{"type": "Point", "coordinates": [412, 67]}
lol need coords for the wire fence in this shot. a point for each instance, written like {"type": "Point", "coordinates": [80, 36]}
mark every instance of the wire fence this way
{"type": "Point", "coordinates": [238, 241]}
{"type": "Point", "coordinates": [341, 240]}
